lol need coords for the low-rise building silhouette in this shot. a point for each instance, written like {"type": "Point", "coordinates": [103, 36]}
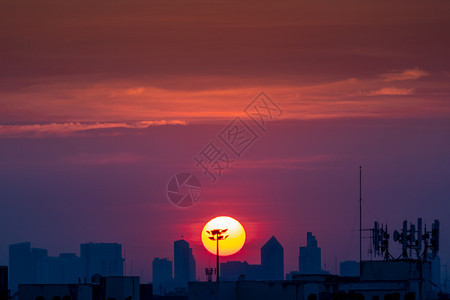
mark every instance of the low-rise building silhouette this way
{"type": "Point", "coordinates": [349, 268]}
{"type": "Point", "coordinates": [106, 288]}
{"type": "Point", "coordinates": [379, 280]}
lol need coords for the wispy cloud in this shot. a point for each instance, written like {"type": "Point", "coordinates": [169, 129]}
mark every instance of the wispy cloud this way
{"type": "Point", "coordinates": [64, 129]}
{"type": "Point", "coordinates": [392, 91]}
{"type": "Point", "coordinates": [284, 163]}
{"type": "Point", "coordinates": [94, 159]}
{"type": "Point", "coordinates": [135, 91]}
{"type": "Point", "coordinates": [211, 99]}
{"type": "Point", "coordinates": [409, 74]}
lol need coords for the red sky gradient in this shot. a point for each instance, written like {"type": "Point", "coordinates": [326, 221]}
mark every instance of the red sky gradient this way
{"type": "Point", "coordinates": [101, 103]}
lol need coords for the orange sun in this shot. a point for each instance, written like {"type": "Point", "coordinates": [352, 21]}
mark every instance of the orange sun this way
{"type": "Point", "coordinates": [235, 236]}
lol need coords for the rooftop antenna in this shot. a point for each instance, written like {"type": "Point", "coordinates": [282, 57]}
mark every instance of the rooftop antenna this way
{"type": "Point", "coordinates": [360, 220]}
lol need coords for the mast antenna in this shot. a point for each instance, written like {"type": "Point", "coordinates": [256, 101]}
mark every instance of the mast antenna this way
{"type": "Point", "coordinates": [360, 218]}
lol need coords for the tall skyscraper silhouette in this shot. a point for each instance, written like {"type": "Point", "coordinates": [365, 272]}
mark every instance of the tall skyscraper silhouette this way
{"type": "Point", "coordinates": [272, 260]}
{"type": "Point", "coordinates": [101, 258]}
{"type": "Point", "coordinates": [20, 269]}
{"type": "Point", "coordinates": [184, 262]}
{"type": "Point", "coordinates": [162, 274]}
{"type": "Point", "coordinates": [309, 261]}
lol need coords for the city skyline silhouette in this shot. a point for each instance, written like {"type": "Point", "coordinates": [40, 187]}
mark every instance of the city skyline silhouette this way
{"type": "Point", "coordinates": [259, 221]}
{"type": "Point", "coordinates": [100, 267]}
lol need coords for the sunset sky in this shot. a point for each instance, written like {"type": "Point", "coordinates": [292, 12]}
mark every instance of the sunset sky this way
{"type": "Point", "coordinates": [102, 103]}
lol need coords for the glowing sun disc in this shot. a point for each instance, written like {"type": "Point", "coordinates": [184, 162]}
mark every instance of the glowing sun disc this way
{"type": "Point", "coordinates": [232, 244]}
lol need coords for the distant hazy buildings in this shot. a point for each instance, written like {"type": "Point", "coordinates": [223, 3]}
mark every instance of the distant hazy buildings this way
{"type": "Point", "coordinates": [272, 260]}
{"type": "Point", "coordinates": [33, 265]}
{"type": "Point", "coordinates": [309, 260]}
{"type": "Point", "coordinates": [69, 266]}
{"type": "Point", "coordinates": [271, 267]}
{"type": "Point", "coordinates": [22, 265]}
{"type": "Point", "coordinates": [349, 268]}
{"type": "Point", "coordinates": [184, 271]}
{"type": "Point", "coordinates": [66, 268]}
{"type": "Point", "coordinates": [162, 275]}
{"type": "Point", "coordinates": [184, 262]}
{"type": "Point", "coordinates": [101, 258]}
{"type": "Point", "coordinates": [234, 270]}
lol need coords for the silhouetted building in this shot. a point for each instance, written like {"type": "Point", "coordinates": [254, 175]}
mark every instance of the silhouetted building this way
{"type": "Point", "coordinates": [184, 262]}
{"type": "Point", "coordinates": [192, 267]}
{"type": "Point", "coordinates": [120, 288]}
{"type": "Point", "coordinates": [146, 292]}
{"type": "Point", "coordinates": [37, 265]}
{"type": "Point", "coordinates": [101, 258]}
{"type": "Point", "coordinates": [3, 283]}
{"type": "Point", "coordinates": [272, 260]}
{"type": "Point", "coordinates": [271, 267]}
{"type": "Point", "coordinates": [107, 288]}
{"type": "Point", "coordinates": [407, 279]}
{"type": "Point", "coordinates": [66, 268]}
{"type": "Point", "coordinates": [33, 265]}
{"type": "Point", "coordinates": [309, 260]}
{"type": "Point", "coordinates": [379, 280]}
{"type": "Point", "coordinates": [20, 269]}
{"type": "Point", "coordinates": [234, 270]}
{"type": "Point", "coordinates": [162, 274]}
{"type": "Point", "coordinates": [57, 291]}
{"type": "Point", "coordinates": [70, 267]}
{"type": "Point", "coordinates": [349, 268]}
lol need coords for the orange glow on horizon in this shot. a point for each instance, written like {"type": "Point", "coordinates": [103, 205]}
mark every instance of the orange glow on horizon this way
{"type": "Point", "coordinates": [232, 244]}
